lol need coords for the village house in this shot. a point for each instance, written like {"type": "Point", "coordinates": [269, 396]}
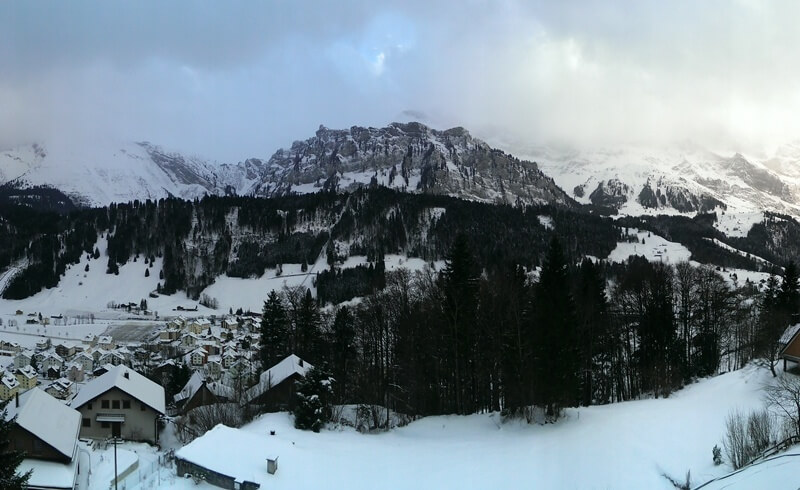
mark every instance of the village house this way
{"type": "Point", "coordinates": [213, 367]}
{"type": "Point", "coordinates": [60, 388]}
{"type": "Point", "coordinates": [9, 386]}
{"type": "Point", "coordinates": [106, 342]}
{"type": "Point", "coordinates": [8, 348]}
{"type": "Point", "coordinates": [86, 361]}
{"type": "Point", "coordinates": [51, 361]}
{"type": "Point", "coordinates": [120, 403]}
{"type": "Point", "coordinates": [75, 372]}
{"type": "Point", "coordinates": [189, 340]}
{"type": "Point", "coordinates": [275, 389]}
{"type": "Point", "coordinates": [790, 345]}
{"type": "Point", "coordinates": [198, 357]}
{"type": "Point", "coordinates": [90, 340]}
{"type": "Point", "coordinates": [46, 430]}
{"type": "Point", "coordinates": [65, 351]}
{"type": "Point", "coordinates": [199, 392]}
{"type": "Point", "coordinates": [23, 359]}
{"type": "Point", "coordinates": [27, 377]}
{"type": "Point", "coordinates": [199, 326]}
{"type": "Point", "coordinates": [43, 343]}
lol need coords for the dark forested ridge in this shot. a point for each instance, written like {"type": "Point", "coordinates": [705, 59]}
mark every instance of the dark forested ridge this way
{"type": "Point", "coordinates": [242, 236]}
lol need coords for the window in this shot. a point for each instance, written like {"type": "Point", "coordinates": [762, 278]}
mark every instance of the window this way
{"type": "Point", "coordinates": [86, 422]}
{"type": "Point", "coordinates": [141, 407]}
{"type": "Point", "coordinates": [126, 404]}
{"type": "Point", "coordinates": [104, 404]}
{"type": "Point", "coordinates": [105, 425]}
{"type": "Point", "coordinates": [88, 406]}
{"type": "Point", "coordinates": [115, 404]}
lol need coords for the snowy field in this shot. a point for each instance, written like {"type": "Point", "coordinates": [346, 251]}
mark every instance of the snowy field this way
{"type": "Point", "coordinates": [620, 446]}
{"type": "Point", "coordinates": [654, 248]}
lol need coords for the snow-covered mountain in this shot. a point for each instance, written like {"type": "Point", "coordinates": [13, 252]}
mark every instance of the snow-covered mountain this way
{"type": "Point", "coordinates": [105, 173]}
{"type": "Point", "coordinates": [408, 156]}
{"type": "Point", "coordinates": [411, 157]}
{"type": "Point", "coordinates": [688, 179]}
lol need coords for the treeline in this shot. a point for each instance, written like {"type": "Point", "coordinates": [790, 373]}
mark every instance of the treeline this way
{"type": "Point", "coordinates": [472, 340]}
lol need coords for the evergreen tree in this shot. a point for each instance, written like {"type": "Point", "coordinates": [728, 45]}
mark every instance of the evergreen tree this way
{"type": "Point", "coordinates": [274, 331]}
{"type": "Point", "coordinates": [343, 351]}
{"type": "Point", "coordinates": [308, 329]}
{"type": "Point", "coordinates": [10, 459]}
{"type": "Point", "coordinates": [313, 394]}
{"type": "Point", "coordinates": [555, 360]}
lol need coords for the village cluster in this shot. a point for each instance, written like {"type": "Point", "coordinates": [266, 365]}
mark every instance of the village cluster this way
{"type": "Point", "coordinates": [99, 389]}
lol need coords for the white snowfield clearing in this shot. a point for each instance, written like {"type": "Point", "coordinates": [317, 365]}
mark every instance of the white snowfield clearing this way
{"type": "Point", "coordinates": [619, 446]}
{"type": "Point", "coordinates": [653, 247]}
{"type": "Point", "coordinates": [777, 473]}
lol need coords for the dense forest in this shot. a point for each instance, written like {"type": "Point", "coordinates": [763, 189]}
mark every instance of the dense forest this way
{"type": "Point", "coordinates": [471, 340]}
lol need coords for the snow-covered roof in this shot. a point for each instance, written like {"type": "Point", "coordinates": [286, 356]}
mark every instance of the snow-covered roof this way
{"type": "Point", "coordinates": [232, 452]}
{"type": "Point", "coordinates": [789, 333]}
{"type": "Point", "coordinates": [134, 384]}
{"type": "Point", "coordinates": [277, 374]}
{"type": "Point", "coordinates": [48, 419]}
{"type": "Point", "coordinates": [194, 384]}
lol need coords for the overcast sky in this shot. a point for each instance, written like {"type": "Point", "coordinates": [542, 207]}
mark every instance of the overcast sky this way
{"type": "Point", "coordinates": [230, 79]}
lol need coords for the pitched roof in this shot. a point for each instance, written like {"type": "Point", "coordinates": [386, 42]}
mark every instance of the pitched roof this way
{"type": "Point", "coordinates": [789, 333]}
{"type": "Point", "coordinates": [48, 419]}
{"type": "Point", "coordinates": [277, 374]}
{"type": "Point", "coordinates": [136, 385]}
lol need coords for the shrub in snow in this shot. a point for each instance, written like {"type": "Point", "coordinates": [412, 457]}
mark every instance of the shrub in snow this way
{"type": "Point", "coordinates": [746, 437]}
{"type": "Point", "coordinates": [312, 407]}
{"type": "Point", "coordinates": [716, 454]}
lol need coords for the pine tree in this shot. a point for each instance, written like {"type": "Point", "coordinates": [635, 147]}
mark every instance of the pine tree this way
{"type": "Point", "coordinates": [274, 331]}
{"type": "Point", "coordinates": [307, 329]}
{"type": "Point", "coordinates": [556, 363]}
{"type": "Point", "coordinates": [343, 351]}
{"type": "Point", "coordinates": [10, 459]}
{"type": "Point", "coordinates": [312, 400]}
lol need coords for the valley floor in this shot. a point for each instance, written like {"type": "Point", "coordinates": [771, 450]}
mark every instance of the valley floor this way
{"type": "Point", "coordinates": [619, 446]}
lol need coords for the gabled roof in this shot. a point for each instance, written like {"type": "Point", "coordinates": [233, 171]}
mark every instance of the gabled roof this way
{"type": "Point", "coordinates": [136, 385]}
{"type": "Point", "coordinates": [48, 419]}
{"type": "Point", "coordinates": [789, 334]}
{"type": "Point", "coordinates": [277, 374]}
{"type": "Point", "coordinates": [196, 382]}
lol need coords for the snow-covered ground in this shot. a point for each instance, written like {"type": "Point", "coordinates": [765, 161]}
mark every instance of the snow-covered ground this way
{"type": "Point", "coordinates": [622, 446]}
{"type": "Point", "coordinates": [651, 246]}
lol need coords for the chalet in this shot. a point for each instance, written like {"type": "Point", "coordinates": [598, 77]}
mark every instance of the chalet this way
{"type": "Point", "coordinates": [275, 388]}
{"type": "Point", "coordinates": [86, 361]}
{"type": "Point", "coordinates": [90, 340]}
{"type": "Point", "coordinates": [230, 323]}
{"type": "Point", "coordinates": [228, 358]}
{"type": "Point", "coordinates": [106, 342]}
{"type": "Point", "coordinates": [75, 372]}
{"type": "Point", "coordinates": [199, 326]}
{"type": "Point", "coordinates": [189, 340]}
{"type": "Point", "coordinates": [60, 388]}
{"type": "Point", "coordinates": [65, 351]}
{"type": "Point", "coordinates": [8, 348]}
{"type": "Point", "coordinates": [27, 377]}
{"type": "Point", "coordinates": [120, 403]}
{"type": "Point", "coordinates": [46, 430]}
{"type": "Point", "coordinates": [198, 357]}
{"type": "Point", "coordinates": [9, 386]}
{"type": "Point", "coordinates": [199, 391]}
{"type": "Point", "coordinates": [114, 357]}
{"type": "Point", "coordinates": [23, 359]}
{"type": "Point", "coordinates": [52, 361]}
{"type": "Point", "coordinates": [790, 345]}
{"type": "Point", "coordinates": [43, 343]}
{"type": "Point", "coordinates": [213, 367]}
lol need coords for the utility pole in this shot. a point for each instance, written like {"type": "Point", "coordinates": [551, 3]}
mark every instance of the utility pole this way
{"type": "Point", "coordinates": [115, 463]}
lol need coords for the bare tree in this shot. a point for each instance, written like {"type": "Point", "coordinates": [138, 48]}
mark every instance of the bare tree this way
{"type": "Point", "coordinates": [205, 418]}
{"type": "Point", "coordinates": [784, 398]}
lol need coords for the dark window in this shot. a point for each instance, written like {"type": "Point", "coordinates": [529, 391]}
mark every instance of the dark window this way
{"type": "Point", "coordinates": [126, 404]}
{"type": "Point", "coordinates": [104, 404]}
{"type": "Point", "coordinates": [105, 425]}
{"type": "Point", "coordinates": [141, 407]}
{"type": "Point", "coordinates": [115, 404]}
{"type": "Point", "coordinates": [88, 406]}
{"type": "Point", "coordinates": [87, 422]}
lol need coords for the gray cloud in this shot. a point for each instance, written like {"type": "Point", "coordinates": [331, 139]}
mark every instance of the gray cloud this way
{"type": "Point", "coordinates": [238, 79]}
